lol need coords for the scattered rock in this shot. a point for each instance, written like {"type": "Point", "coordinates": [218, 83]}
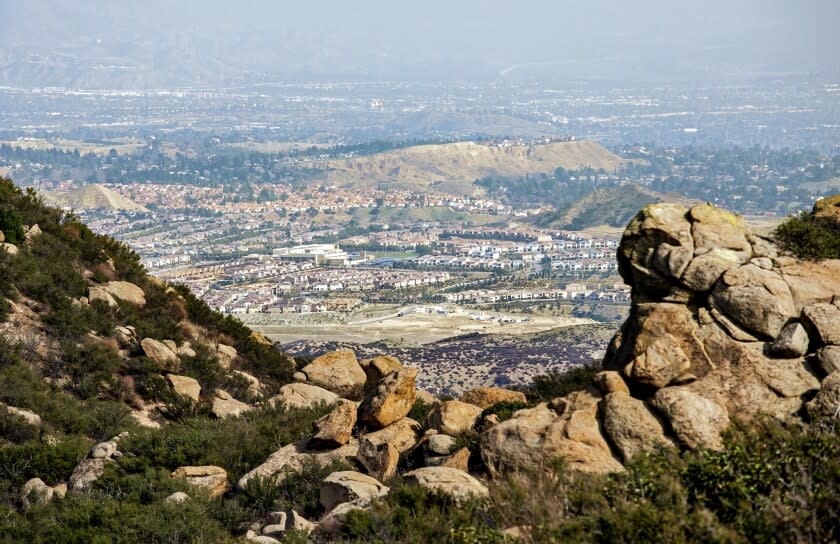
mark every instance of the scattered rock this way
{"type": "Point", "coordinates": [336, 428]}
{"type": "Point", "coordinates": [184, 386]}
{"type": "Point", "coordinates": [339, 372]}
{"type": "Point", "coordinates": [453, 417]}
{"type": "Point", "coordinates": [177, 498]}
{"type": "Point", "coordinates": [185, 350]}
{"type": "Point", "coordinates": [126, 337]}
{"type": "Point", "coordinates": [160, 353]}
{"type": "Point", "coordinates": [335, 518]}
{"type": "Point", "coordinates": [610, 381]}
{"type": "Point", "coordinates": [28, 415]}
{"type": "Point", "coordinates": [35, 491]}
{"type": "Point", "coordinates": [826, 403]}
{"type": "Point", "coordinates": [299, 377]}
{"type": "Point", "coordinates": [99, 292]}
{"type": "Point", "coordinates": [302, 395]}
{"type": "Point", "coordinates": [485, 397]}
{"type": "Point", "coordinates": [225, 406]}
{"type": "Point", "coordinates": [391, 400]}
{"type": "Point", "coordinates": [85, 474]}
{"type": "Point", "coordinates": [126, 291]}
{"type": "Point", "coordinates": [828, 359]}
{"type": "Point", "coordinates": [631, 426]}
{"type": "Point", "coordinates": [379, 367]}
{"type": "Point", "coordinates": [823, 321]}
{"type": "Point", "coordinates": [427, 398]}
{"type": "Point", "coordinates": [403, 434]}
{"type": "Point", "coordinates": [226, 354]}
{"type": "Point", "coordinates": [104, 450]}
{"type": "Point", "coordinates": [459, 460]}
{"type": "Point", "coordinates": [792, 341]}
{"type": "Point", "coordinates": [347, 486]}
{"type": "Point", "coordinates": [11, 249]}
{"type": "Point", "coordinates": [698, 422]}
{"type": "Point", "coordinates": [251, 536]}
{"type": "Point", "coordinates": [211, 478]}
{"type": "Point", "coordinates": [454, 482]}
{"type": "Point", "coordinates": [296, 522]}
{"type": "Point", "coordinates": [276, 530]}
{"type": "Point", "coordinates": [380, 461]}
{"type": "Point", "coordinates": [291, 458]}
{"type": "Point", "coordinates": [440, 444]}
{"type": "Point", "coordinates": [255, 388]}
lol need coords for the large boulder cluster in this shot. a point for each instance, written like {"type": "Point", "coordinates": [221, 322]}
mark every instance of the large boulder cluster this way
{"type": "Point", "coordinates": [723, 325]}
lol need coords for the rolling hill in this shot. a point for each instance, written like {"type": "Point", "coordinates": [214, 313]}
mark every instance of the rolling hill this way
{"type": "Point", "coordinates": [94, 196]}
{"type": "Point", "coordinates": [613, 206]}
{"type": "Point", "coordinates": [452, 168]}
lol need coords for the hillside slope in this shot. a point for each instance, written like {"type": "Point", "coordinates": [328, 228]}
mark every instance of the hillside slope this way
{"type": "Point", "coordinates": [452, 168]}
{"type": "Point", "coordinates": [93, 196]}
{"type": "Point", "coordinates": [613, 206]}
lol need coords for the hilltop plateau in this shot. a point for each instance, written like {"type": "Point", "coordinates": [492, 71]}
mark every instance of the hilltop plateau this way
{"type": "Point", "coordinates": [132, 412]}
{"type": "Point", "coordinates": [452, 168]}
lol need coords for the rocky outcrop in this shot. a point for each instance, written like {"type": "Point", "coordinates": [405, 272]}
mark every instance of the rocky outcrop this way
{"type": "Point", "coordinates": [391, 400]}
{"type": "Point", "coordinates": [380, 460]}
{"type": "Point", "coordinates": [339, 372]}
{"type": "Point", "coordinates": [210, 478]}
{"type": "Point", "coordinates": [403, 434]}
{"type": "Point", "coordinates": [485, 397]}
{"type": "Point", "coordinates": [379, 367]}
{"type": "Point", "coordinates": [631, 425]}
{"type": "Point", "coordinates": [291, 458]}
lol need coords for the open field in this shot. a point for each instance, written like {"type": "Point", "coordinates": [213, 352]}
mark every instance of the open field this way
{"type": "Point", "coordinates": [410, 329]}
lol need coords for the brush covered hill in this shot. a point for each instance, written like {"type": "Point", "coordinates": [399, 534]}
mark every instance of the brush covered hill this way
{"type": "Point", "coordinates": [131, 412]}
{"type": "Point", "coordinates": [613, 206]}
{"type": "Point", "coordinates": [452, 168]}
{"type": "Point", "coordinates": [93, 196]}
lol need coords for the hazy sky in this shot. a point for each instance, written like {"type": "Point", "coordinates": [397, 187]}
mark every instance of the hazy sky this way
{"type": "Point", "coordinates": [648, 39]}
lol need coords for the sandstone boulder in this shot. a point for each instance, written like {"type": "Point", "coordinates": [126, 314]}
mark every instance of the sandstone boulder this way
{"type": "Point", "coordinates": [440, 444]}
{"type": "Point", "coordinates": [126, 291]}
{"type": "Point", "coordinates": [226, 354]}
{"type": "Point", "coordinates": [610, 381]}
{"type": "Point", "coordinates": [301, 395]}
{"type": "Point", "coordinates": [631, 425]}
{"type": "Point", "coordinates": [485, 397]}
{"type": "Point", "coordinates": [339, 372]}
{"type": "Point", "coordinates": [828, 359]}
{"type": "Point", "coordinates": [380, 461]}
{"type": "Point", "coordinates": [225, 406]}
{"type": "Point", "coordinates": [177, 498]}
{"type": "Point", "coordinates": [705, 270]}
{"type": "Point", "coordinates": [759, 300]}
{"type": "Point", "coordinates": [534, 436]}
{"type": "Point", "coordinates": [379, 367]}
{"type": "Point", "coordinates": [336, 428]}
{"type": "Point", "coordinates": [255, 388]}
{"type": "Point", "coordinates": [391, 400]}
{"type": "Point", "coordinates": [713, 227]}
{"type": "Point", "coordinates": [161, 354]}
{"type": "Point", "coordinates": [403, 434]}
{"type": "Point", "coordinates": [292, 457]}
{"type": "Point", "coordinates": [28, 416]}
{"type": "Point", "coordinates": [826, 403]}
{"type": "Point", "coordinates": [812, 282]}
{"type": "Point", "coordinates": [454, 482]}
{"type": "Point", "coordinates": [697, 421]}
{"type": "Point", "coordinates": [85, 474]}
{"type": "Point", "coordinates": [126, 337]}
{"type": "Point", "coordinates": [453, 417]}
{"type": "Point", "coordinates": [99, 292]}
{"type": "Point", "coordinates": [427, 398]}
{"type": "Point", "coordinates": [11, 249]}
{"type": "Point", "coordinates": [656, 247]}
{"type": "Point", "coordinates": [823, 321]}
{"type": "Point", "coordinates": [459, 460]}
{"type": "Point", "coordinates": [35, 491]}
{"type": "Point", "coordinates": [347, 486]}
{"type": "Point", "coordinates": [211, 478]}
{"type": "Point", "coordinates": [792, 341]}
{"type": "Point", "coordinates": [184, 386]}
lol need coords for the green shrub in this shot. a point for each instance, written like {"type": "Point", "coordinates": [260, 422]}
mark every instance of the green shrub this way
{"type": "Point", "coordinates": [504, 410]}
{"type": "Point", "coordinates": [810, 237]}
{"type": "Point", "coordinates": [11, 223]}
{"type": "Point", "coordinates": [51, 463]}
{"type": "Point", "coordinates": [557, 384]}
{"type": "Point", "coordinates": [16, 428]}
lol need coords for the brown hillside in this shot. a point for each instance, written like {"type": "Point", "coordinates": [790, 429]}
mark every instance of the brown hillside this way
{"type": "Point", "coordinates": [94, 196]}
{"type": "Point", "coordinates": [453, 167]}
